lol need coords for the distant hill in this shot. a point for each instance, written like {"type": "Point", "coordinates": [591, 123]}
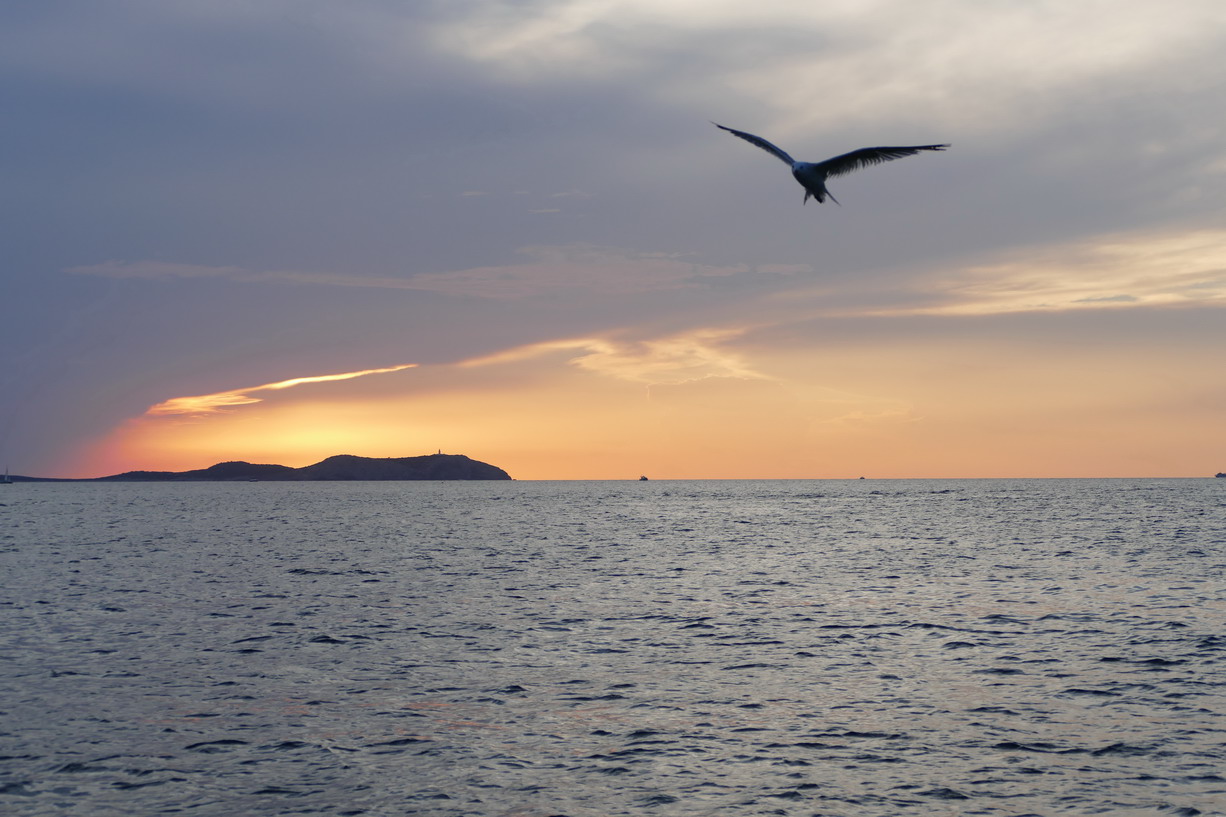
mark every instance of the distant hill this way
{"type": "Point", "coordinates": [221, 472]}
{"type": "Point", "coordinates": [343, 467]}
{"type": "Point", "coordinates": [431, 466]}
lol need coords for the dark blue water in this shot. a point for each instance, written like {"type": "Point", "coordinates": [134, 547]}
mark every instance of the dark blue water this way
{"type": "Point", "coordinates": [600, 648]}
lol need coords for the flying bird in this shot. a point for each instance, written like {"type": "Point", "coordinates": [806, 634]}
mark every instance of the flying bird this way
{"type": "Point", "coordinates": [812, 175]}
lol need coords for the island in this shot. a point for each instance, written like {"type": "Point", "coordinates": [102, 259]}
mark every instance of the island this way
{"type": "Point", "coordinates": [342, 467]}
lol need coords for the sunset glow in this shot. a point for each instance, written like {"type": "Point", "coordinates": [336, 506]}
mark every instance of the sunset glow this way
{"type": "Point", "coordinates": [591, 280]}
{"type": "Point", "coordinates": [730, 404]}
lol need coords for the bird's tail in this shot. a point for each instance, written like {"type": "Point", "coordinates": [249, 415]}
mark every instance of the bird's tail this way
{"type": "Point", "coordinates": [832, 198]}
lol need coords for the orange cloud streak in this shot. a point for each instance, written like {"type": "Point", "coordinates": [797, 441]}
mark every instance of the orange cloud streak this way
{"type": "Point", "coordinates": [212, 403]}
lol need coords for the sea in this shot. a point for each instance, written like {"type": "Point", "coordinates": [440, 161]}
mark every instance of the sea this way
{"type": "Point", "coordinates": [598, 649]}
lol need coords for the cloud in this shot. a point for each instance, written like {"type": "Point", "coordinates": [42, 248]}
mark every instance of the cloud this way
{"type": "Point", "coordinates": [549, 270]}
{"type": "Point", "coordinates": [784, 56]}
{"type": "Point", "coordinates": [1109, 299]}
{"type": "Point", "coordinates": [1029, 60]}
{"type": "Point", "coordinates": [274, 50]}
{"type": "Point", "coordinates": [1121, 271]}
{"type": "Point", "coordinates": [690, 356]}
{"type": "Point", "coordinates": [212, 403]}
{"type": "Point", "coordinates": [170, 270]}
{"type": "Point", "coordinates": [1155, 270]}
{"type": "Point", "coordinates": [154, 270]}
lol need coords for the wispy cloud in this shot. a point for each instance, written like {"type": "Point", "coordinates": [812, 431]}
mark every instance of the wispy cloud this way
{"type": "Point", "coordinates": [577, 268]}
{"type": "Point", "coordinates": [580, 268]}
{"type": "Point", "coordinates": [170, 270]}
{"type": "Point", "coordinates": [154, 270]}
{"type": "Point", "coordinates": [212, 403]}
{"type": "Point", "coordinates": [1186, 268]}
{"type": "Point", "coordinates": [690, 356]}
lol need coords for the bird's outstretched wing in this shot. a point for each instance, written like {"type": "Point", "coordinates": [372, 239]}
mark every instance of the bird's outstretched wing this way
{"type": "Point", "coordinates": [767, 146]}
{"type": "Point", "coordinates": [869, 156]}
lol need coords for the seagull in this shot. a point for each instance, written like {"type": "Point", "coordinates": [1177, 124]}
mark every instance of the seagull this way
{"type": "Point", "coordinates": [812, 175]}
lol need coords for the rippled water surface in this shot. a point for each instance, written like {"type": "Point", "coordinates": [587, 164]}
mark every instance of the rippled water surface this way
{"type": "Point", "coordinates": [604, 648]}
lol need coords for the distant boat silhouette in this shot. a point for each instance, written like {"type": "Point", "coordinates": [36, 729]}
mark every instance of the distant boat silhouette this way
{"type": "Point", "coordinates": [644, 479]}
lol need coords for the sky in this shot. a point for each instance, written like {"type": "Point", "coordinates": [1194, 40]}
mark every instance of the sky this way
{"type": "Point", "coordinates": [278, 230]}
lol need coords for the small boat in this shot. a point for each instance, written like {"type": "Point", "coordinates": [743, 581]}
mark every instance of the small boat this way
{"type": "Point", "coordinates": [642, 479]}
